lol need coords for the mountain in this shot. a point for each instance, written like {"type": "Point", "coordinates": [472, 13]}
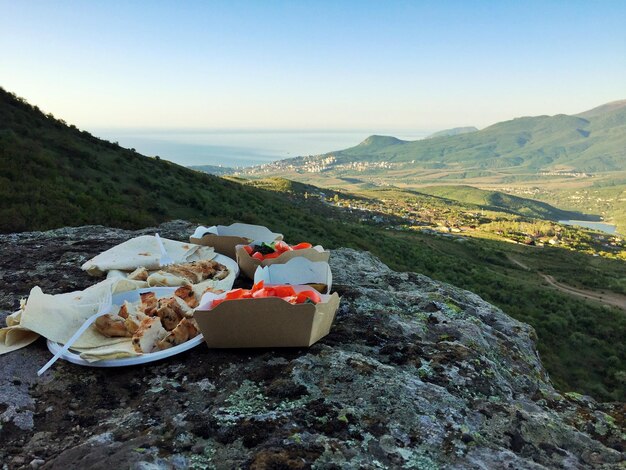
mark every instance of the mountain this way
{"type": "Point", "coordinates": [592, 142]}
{"type": "Point", "coordinates": [603, 109]}
{"type": "Point", "coordinates": [453, 131]}
{"type": "Point", "coordinates": [375, 143]}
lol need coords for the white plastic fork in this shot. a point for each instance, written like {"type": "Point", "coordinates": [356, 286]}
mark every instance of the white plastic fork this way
{"type": "Point", "coordinates": [104, 307]}
{"type": "Point", "coordinates": [165, 258]}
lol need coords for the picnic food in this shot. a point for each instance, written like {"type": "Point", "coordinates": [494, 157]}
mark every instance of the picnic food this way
{"type": "Point", "coordinates": [185, 330]}
{"type": "Point", "coordinates": [187, 294]}
{"type": "Point", "coordinates": [152, 323]}
{"type": "Point", "coordinates": [273, 250]}
{"type": "Point", "coordinates": [193, 272]}
{"type": "Point", "coordinates": [144, 251]}
{"type": "Point", "coordinates": [150, 331]}
{"type": "Point", "coordinates": [139, 274]}
{"type": "Point", "coordinates": [259, 290]}
{"type": "Point", "coordinates": [197, 271]}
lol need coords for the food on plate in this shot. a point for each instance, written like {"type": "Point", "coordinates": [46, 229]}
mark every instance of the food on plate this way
{"type": "Point", "coordinates": [259, 290]}
{"type": "Point", "coordinates": [152, 323]}
{"type": "Point", "coordinates": [148, 303]}
{"type": "Point", "coordinates": [193, 273]}
{"type": "Point", "coordinates": [181, 274]}
{"type": "Point", "coordinates": [139, 274]}
{"type": "Point", "coordinates": [186, 329]}
{"type": "Point", "coordinates": [133, 322]}
{"type": "Point", "coordinates": [187, 294]}
{"type": "Point", "coordinates": [112, 326]}
{"type": "Point", "coordinates": [198, 271]}
{"type": "Point", "coordinates": [273, 250]}
{"type": "Point", "coordinates": [149, 333]}
{"type": "Point", "coordinates": [171, 311]}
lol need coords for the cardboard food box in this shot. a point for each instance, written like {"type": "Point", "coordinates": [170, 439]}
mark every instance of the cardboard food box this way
{"type": "Point", "coordinates": [265, 323]}
{"type": "Point", "coordinates": [224, 238]}
{"type": "Point", "coordinates": [248, 264]}
{"type": "Point", "coordinates": [298, 270]}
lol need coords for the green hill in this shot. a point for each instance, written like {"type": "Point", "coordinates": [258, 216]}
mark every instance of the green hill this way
{"type": "Point", "coordinates": [453, 131]}
{"type": "Point", "coordinates": [603, 109]}
{"type": "Point", "coordinates": [376, 143]}
{"type": "Point", "coordinates": [54, 175]}
{"type": "Point", "coordinates": [496, 200]}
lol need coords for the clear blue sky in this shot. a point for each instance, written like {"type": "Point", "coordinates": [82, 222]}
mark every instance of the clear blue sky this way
{"type": "Point", "coordinates": [324, 65]}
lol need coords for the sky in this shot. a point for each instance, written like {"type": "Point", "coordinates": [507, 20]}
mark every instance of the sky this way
{"type": "Point", "coordinates": [311, 65]}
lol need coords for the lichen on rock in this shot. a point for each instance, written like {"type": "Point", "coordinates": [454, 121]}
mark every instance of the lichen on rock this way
{"type": "Point", "coordinates": [414, 374]}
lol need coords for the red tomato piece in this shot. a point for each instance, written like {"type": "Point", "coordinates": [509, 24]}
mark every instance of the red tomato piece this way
{"type": "Point", "coordinates": [309, 294]}
{"type": "Point", "coordinates": [284, 291]}
{"type": "Point", "coordinates": [234, 294]}
{"type": "Point", "coordinates": [281, 246]}
{"type": "Point", "coordinates": [258, 256]}
{"type": "Point", "coordinates": [259, 285]}
{"type": "Point", "coordinates": [302, 246]}
{"type": "Point", "coordinates": [276, 254]}
{"type": "Point", "coordinates": [259, 294]}
{"type": "Point", "coordinates": [248, 249]}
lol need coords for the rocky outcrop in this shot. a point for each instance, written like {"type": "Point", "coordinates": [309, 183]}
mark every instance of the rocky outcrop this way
{"type": "Point", "coordinates": [414, 374]}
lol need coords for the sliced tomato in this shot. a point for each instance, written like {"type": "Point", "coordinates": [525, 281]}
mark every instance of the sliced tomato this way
{"type": "Point", "coordinates": [302, 246]}
{"type": "Point", "coordinates": [260, 291]}
{"type": "Point", "coordinates": [259, 294]}
{"type": "Point", "coordinates": [312, 295]}
{"type": "Point", "coordinates": [276, 254]}
{"type": "Point", "coordinates": [258, 286]}
{"type": "Point", "coordinates": [235, 294]}
{"type": "Point", "coordinates": [248, 249]}
{"type": "Point", "coordinates": [284, 291]}
{"type": "Point", "coordinates": [281, 246]}
{"type": "Point", "coordinates": [258, 256]}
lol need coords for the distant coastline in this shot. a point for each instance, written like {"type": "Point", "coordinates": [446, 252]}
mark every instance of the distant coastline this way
{"type": "Point", "coordinates": [236, 148]}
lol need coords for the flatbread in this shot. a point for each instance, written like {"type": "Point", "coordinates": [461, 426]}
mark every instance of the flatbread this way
{"type": "Point", "coordinates": [163, 279]}
{"type": "Point", "coordinates": [56, 317]}
{"type": "Point", "coordinates": [113, 351]}
{"type": "Point", "coordinates": [15, 337]}
{"type": "Point", "coordinates": [144, 251]}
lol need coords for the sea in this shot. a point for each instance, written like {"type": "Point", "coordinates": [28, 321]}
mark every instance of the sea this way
{"type": "Point", "coordinates": [601, 226]}
{"type": "Point", "coordinates": [240, 148]}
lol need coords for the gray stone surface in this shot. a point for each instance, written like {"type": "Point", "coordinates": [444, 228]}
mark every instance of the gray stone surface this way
{"type": "Point", "coordinates": [415, 374]}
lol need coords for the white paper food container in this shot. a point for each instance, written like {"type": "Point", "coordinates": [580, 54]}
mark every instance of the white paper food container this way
{"type": "Point", "coordinates": [297, 270]}
{"type": "Point", "coordinates": [248, 264]}
{"type": "Point", "coordinates": [265, 323]}
{"type": "Point", "coordinates": [224, 238]}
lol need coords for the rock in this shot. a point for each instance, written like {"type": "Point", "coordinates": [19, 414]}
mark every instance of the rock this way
{"type": "Point", "coordinates": [414, 374]}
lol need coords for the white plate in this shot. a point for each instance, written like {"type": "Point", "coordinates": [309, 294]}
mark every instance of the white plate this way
{"type": "Point", "coordinates": [118, 299]}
